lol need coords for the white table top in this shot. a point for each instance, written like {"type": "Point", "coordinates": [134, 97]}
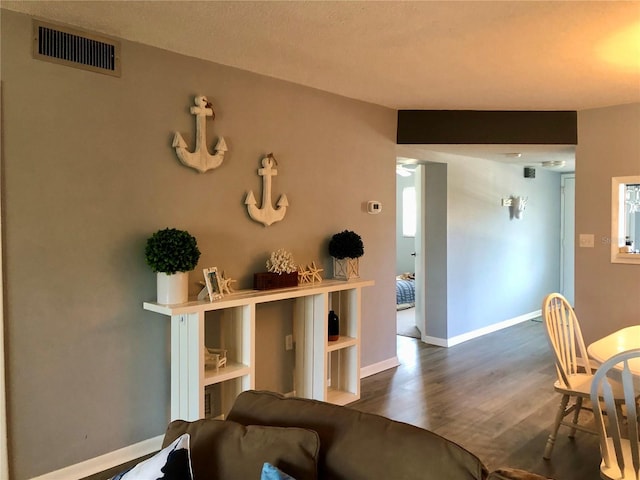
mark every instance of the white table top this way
{"type": "Point", "coordinates": [620, 341]}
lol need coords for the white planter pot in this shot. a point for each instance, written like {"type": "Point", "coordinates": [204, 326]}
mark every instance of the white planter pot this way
{"type": "Point", "coordinates": [173, 288]}
{"type": "Point", "coordinates": [346, 268]}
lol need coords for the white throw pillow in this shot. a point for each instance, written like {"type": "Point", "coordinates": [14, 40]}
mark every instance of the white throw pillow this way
{"type": "Point", "coordinates": [171, 463]}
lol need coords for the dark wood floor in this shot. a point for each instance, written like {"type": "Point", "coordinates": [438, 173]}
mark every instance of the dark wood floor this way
{"type": "Point", "coordinates": [493, 395]}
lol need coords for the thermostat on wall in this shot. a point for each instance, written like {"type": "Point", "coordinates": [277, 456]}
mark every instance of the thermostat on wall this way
{"type": "Point", "coordinates": [374, 206]}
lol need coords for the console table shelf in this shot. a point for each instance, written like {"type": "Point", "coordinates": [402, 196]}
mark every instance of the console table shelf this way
{"type": "Point", "coordinates": [342, 342]}
{"type": "Point", "coordinates": [324, 370]}
{"type": "Point", "coordinates": [230, 371]}
{"type": "Point", "coordinates": [339, 397]}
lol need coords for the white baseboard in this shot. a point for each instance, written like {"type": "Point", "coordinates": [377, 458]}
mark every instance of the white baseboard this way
{"type": "Point", "coordinates": [379, 367]}
{"type": "Point", "coordinates": [450, 342]}
{"type": "Point", "coordinates": [106, 461]}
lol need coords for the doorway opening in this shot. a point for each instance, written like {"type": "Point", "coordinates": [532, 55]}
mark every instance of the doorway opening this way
{"type": "Point", "coordinates": [443, 192]}
{"type": "Point", "coordinates": [406, 223]}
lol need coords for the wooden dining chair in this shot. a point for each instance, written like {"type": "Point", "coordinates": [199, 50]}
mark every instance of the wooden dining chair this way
{"type": "Point", "coordinates": [574, 380]}
{"type": "Point", "coordinates": [619, 444]}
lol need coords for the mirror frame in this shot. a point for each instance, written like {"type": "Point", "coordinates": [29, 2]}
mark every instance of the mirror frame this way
{"type": "Point", "coordinates": [617, 227]}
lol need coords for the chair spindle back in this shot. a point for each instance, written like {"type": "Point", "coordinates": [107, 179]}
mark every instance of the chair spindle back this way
{"type": "Point", "coordinates": [565, 336]}
{"type": "Point", "coordinates": [618, 436]}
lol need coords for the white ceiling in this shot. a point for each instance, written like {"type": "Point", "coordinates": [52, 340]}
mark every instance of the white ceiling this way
{"type": "Point", "coordinates": [467, 55]}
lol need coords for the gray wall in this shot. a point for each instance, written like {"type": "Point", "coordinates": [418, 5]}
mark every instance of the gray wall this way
{"type": "Point", "coordinates": [483, 267]}
{"type": "Point", "coordinates": [607, 294]}
{"type": "Point", "coordinates": [89, 174]}
{"type": "Point", "coordinates": [499, 267]}
{"type": "Point", "coordinates": [436, 232]}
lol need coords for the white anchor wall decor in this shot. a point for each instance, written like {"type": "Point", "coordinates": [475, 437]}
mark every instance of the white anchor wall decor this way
{"type": "Point", "coordinates": [267, 214]}
{"type": "Point", "coordinates": [200, 158]}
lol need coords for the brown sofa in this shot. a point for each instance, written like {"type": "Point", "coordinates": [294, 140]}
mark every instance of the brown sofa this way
{"type": "Point", "coordinates": [309, 439]}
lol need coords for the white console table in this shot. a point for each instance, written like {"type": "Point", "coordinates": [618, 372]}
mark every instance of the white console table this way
{"type": "Point", "coordinates": [324, 370]}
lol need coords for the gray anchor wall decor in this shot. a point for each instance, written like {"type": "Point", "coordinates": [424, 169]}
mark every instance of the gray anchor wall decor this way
{"type": "Point", "coordinates": [267, 214]}
{"type": "Point", "coordinates": [200, 158]}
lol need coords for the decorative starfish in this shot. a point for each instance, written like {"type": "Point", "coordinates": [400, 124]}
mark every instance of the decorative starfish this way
{"type": "Point", "coordinates": [225, 283]}
{"type": "Point", "coordinates": [315, 272]}
{"type": "Point", "coordinates": [303, 275]}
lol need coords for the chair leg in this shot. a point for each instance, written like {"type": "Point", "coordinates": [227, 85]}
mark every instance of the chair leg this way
{"type": "Point", "coordinates": [554, 431]}
{"type": "Point", "coordinates": [576, 414]}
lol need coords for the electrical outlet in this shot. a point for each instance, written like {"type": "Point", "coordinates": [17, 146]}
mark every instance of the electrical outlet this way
{"type": "Point", "coordinates": [288, 342]}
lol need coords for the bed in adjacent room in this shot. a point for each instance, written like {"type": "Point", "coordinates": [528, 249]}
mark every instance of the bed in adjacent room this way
{"type": "Point", "coordinates": [405, 290]}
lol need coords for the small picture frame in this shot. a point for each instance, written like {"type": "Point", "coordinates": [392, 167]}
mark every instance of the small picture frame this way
{"type": "Point", "coordinates": [212, 280]}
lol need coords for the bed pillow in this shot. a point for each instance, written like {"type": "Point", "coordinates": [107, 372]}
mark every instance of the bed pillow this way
{"type": "Point", "coordinates": [226, 449]}
{"type": "Point", "coordinates": [173, 461]}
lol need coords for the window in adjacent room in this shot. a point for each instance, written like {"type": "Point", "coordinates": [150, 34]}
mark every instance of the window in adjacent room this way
{"type": "Point", "coordinates": [409, 212]}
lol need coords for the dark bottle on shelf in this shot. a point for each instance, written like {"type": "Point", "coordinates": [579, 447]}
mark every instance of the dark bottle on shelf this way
{"type": "Point", "coordinates": [334, 326]}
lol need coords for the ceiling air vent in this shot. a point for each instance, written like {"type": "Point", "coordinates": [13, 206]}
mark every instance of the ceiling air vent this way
{"type": "Point", "coordinates": [76, 48]}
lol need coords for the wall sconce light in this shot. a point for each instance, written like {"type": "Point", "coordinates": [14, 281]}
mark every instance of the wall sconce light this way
{"type": "Point", "coordinates": [516, 205]}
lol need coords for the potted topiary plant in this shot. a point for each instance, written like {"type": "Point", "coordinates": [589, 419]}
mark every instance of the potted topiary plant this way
{"type": "Point", "coordinates": [172, 253]}
{"type": "Point", "coordinates": [346, 248]}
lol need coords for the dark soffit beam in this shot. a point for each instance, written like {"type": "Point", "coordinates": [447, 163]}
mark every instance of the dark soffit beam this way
{"type": "Point", "coordinates": [487, 127]}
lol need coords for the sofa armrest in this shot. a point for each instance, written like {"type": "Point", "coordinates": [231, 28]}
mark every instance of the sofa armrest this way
{"type": "Point", "coordinates": [514, 474]}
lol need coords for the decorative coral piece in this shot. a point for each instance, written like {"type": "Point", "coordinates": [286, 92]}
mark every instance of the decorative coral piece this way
{"type": "Point", "coordinates": [281, 261]}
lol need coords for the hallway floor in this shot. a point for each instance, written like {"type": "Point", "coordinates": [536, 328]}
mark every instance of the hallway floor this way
{"type": "Point", "coordinates": [406, 323]}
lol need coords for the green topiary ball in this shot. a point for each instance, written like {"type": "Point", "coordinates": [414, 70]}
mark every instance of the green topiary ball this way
{"type": "Point", "coordinates": [171, 250]}
{"type": "Point", "coordinates": [346, 244]}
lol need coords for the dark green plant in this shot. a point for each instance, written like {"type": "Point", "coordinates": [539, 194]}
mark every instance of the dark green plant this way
{"type": "Point", "coordinates": [171, 250]}
{"type": "Point", "coordinates": [346, 244]}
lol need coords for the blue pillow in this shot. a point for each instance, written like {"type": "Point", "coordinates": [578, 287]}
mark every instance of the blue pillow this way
{"type": "Point", "coordinates": [171, 463]}
{"type": "Point", "coordinates": [269, 472]}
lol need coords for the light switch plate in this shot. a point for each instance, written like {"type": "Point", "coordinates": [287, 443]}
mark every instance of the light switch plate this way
{"type": "Point", "coordinates": [586, 240]}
